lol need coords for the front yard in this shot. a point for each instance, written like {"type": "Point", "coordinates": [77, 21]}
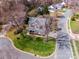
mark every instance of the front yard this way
{"type": "Point", "coordinates": [33, 44]}
{"type": "Point", "coordinates": [74, 23]}
{"type": "Point", "coordinates": [77, 45]}
{"type": "Point", "coordinates": [74, 27]}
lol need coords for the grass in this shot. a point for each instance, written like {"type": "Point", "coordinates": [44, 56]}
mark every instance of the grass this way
{"type": "Point", "coordinates": [75, 26]}
{"type": "Point", "coordinates": [32, 44]}
{"type": "Point", "coordinates": [77, 45]}
{"type": "Point", "coordinates": [75, 23]}
{"type": "Point", "coordinates": [74, 54]}
{"type": "Point", "coordinates": [11, 34]}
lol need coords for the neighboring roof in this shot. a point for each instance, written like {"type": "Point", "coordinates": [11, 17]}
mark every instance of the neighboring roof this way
{"type": "Point", "coordinates": [55, 7]}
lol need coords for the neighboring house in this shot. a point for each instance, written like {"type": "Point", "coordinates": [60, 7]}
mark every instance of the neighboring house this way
{"type": "Point", "coordinates": [55, 7]}
{"type": "Point", "coordinates": [74, 4]}
{"type": "Point", "coordinates": [39, 26]}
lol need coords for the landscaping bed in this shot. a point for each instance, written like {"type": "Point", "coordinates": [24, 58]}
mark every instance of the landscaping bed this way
{"type": "Point", "coordinates": [32, 44]}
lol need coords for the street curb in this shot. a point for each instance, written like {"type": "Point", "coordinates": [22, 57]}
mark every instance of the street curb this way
{"type": "Point", "coordinates": [67, 25]}
{"type": "Point", "coordinates": [70, 34]}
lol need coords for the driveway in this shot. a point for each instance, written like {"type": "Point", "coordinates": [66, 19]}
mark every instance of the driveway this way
{"type": "Point", "coordinates": [64, 50]}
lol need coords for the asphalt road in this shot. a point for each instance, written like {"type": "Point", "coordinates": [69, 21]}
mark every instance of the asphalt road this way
{"type": "Point", "coordinates": [63, 50]}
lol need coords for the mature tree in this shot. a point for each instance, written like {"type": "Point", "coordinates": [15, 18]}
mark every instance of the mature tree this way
{"type": "Point", "coordinates": [12, 11]}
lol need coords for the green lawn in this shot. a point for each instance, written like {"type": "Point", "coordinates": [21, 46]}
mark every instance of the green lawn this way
{"type": "Point", "coordinates": [72, 48]}
{"type": "Point", "coordinates": [34, 45]}
{"type": "Point", "coordinates": [75, 26]}
{"type": "Point", "coordinates": [77, 45]}
{"type": "Point", "coordinates": [75, 23]}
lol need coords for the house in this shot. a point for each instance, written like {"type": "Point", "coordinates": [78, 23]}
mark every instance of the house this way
{"type": "Point", "coordinates": [39, 26]}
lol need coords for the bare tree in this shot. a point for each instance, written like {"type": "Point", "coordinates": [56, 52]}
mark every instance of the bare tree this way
{"type": "Point", "coordinates": [11, 8]}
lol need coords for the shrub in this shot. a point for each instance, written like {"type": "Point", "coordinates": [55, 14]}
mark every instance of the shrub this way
{"type": "Point", "coordinates": [73, 19]}
{"type": "Point", "coordinates": [43, 10]}
{"type": "Point", "coordinates": [46, 9]}
{"type": "Point", "coordinates": [26, 20]}
{"type": "Point", "coordinates": [39, 39]}
{"type": "Point", "coordinates": [0, 27]}
{"type": "Point", "coordinates": [18, 31]}
{"type": "Point", "coordinates": [29, 37]}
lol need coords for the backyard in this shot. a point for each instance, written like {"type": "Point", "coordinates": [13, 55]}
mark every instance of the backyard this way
{"type": "Point", "coordinates": [32, 44]}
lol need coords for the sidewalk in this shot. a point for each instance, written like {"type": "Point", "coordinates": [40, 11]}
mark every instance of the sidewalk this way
{"type": "Point", "coordinates": [2, 35]}
{"type": "Point", "coordinates": [76, 36]}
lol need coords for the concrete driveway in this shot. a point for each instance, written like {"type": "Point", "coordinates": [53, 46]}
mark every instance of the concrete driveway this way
{"type": "Point", "coordinates": [64, 50]}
